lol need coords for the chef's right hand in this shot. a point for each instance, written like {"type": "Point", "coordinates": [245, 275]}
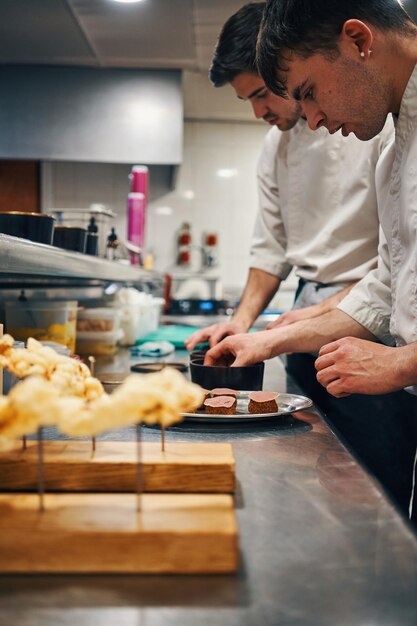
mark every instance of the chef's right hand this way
{"type": "Point", "coordinates": [215, 333]}
{"type": "Point", "coordinates": [241, 350]}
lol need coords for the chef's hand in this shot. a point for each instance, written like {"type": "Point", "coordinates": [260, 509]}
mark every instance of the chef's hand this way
{"type": "Point", "coordinates": [215, 333]}
{"type": "Point", "coordinates": [352, 365]}
{"type": "Point", "coordinates": [240, 350]}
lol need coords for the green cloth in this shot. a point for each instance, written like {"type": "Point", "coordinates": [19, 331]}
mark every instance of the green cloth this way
{"type": "Point", "coordinates": [173, 333]}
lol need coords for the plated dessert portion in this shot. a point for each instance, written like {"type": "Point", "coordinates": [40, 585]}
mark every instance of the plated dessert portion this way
{"type": "Point", "coordinates": [225, 401]}
{"type": "Point", "coordinates": [231, 405]}
{"type": "Point", "coordinates": [263, 402]}
{"type": "Point", "coordinates": [224, 405]}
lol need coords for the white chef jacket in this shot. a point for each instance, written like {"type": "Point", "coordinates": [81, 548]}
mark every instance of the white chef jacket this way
{"type": "Point", "coordinates": [317, 205]}
{"type": "Point", "coordinates": [385, 301]}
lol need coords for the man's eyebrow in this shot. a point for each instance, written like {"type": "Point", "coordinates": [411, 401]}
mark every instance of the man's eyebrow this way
{"type": "Point", "coordinates": [296, 93]}
{"type": "Point", "coordinates": [254, 93]}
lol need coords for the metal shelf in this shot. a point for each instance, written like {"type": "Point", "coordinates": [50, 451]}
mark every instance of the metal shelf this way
{"type": "Point", "coordinates": [25, 260]}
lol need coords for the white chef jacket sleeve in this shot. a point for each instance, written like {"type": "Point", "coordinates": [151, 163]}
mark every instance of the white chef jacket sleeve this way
{"type": "Point", "coordinates": [269, 239]}
{"type": "Point", "coordinates": [369, 302]}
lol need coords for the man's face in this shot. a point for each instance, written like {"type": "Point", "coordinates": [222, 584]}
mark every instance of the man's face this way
{"type": "Point", "coordinates": [343, 93]}
{"type": "Point", "coordinates": [273, 109]}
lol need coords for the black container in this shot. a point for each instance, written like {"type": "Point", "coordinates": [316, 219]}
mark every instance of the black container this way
{"type": "Point", "coordinates": [198, 354]}
{"type": "Point", "coordinates": [70, 238]}
{"type": "Point", "coordinates": [37, 227]}
{"type": "Point", "coordinates": [249, 378]}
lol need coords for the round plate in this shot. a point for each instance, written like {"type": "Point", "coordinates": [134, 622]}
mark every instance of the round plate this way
{"type": "Point", "coordinates": [287, 403]}
{"type": "Point", "coordinates": [157, 366]}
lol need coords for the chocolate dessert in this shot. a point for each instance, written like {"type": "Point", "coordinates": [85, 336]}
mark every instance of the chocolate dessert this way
{"type": "Point", "coordinates": [221, 405]}
{"type": "Point", "coordinates": [263, 402]}
{"type": "Point", "coordinates": [223, 391]}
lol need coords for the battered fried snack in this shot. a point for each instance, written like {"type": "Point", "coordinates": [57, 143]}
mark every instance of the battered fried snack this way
{"type": "Point", "coordinates": [153, 399]}
{"type": "Point", "coordinates": [71, 377]}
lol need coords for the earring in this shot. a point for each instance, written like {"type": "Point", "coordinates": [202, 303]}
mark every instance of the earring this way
{"type": "Point", "coordinates": [362, 55]}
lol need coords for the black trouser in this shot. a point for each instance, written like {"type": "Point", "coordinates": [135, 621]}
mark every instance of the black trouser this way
{"type": "Point", "coordinates": [381, 431]}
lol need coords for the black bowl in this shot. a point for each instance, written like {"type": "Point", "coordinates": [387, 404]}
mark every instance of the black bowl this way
{"type": "Point", "coordinates": [70, 238]}
{"type": "Point", "coordinates": [37, 227]}
{"type": "Point", "coordinates": [249, 378]}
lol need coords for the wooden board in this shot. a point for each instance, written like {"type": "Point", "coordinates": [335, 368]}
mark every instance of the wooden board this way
{"type": "Point", "coordinates": [71, 466]}
{"type": "Point", "coordinates": [104, 533]}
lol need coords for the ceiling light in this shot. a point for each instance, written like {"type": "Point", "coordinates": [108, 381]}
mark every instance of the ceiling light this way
{"type": "Point", "coordinates": [164, 210]}
{"type": "Point", "coordinates": [226, 173]}
{"type": "Point", "coordinates": [128, 1]}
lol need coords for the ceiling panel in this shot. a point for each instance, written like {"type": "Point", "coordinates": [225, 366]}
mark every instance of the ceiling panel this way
{"type": "Point", "coordinates": [41, 31]}
{"type": "Point", "coordinates": [154, 33]}
{"type": "Point", "coordinates": [210, 15]}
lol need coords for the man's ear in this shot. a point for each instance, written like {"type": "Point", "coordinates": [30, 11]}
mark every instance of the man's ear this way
{"type": "Point", "coordinates": [356, 37]}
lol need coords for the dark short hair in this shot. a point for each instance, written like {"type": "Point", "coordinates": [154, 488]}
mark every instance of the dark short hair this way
{"type": "Point", "coordinates": [235, 51]}
{"type": "Point", "coordinates": [308, 27]}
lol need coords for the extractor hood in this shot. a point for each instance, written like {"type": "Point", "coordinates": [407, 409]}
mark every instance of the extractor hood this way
{"type": "Point", "coordinates": [53, 113]}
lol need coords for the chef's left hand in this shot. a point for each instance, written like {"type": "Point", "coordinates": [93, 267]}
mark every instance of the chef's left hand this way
{"type": "Point", "coordinates": [352, 365]}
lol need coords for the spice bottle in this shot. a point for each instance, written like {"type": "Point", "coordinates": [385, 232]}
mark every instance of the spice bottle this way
{"type": "Point", "coordinates": [112, 245]}
{"type": "Point", "coordinates": [92, 238]}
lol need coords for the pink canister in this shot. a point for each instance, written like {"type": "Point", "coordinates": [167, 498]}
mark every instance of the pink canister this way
{"type": "Point", "coordinates": [136, 221]}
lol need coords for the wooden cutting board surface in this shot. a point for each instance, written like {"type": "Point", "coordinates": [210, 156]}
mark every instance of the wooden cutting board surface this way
{"type": "Point", "coordinates": [105, 533]}
{"type": "Point", "coordinates": [71, 466]}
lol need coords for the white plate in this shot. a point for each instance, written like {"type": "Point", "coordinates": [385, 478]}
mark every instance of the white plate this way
{"type": "Point", "coordinates": [287, 403]}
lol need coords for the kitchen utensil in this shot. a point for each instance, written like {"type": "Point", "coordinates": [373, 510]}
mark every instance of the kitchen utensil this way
{"type": "Point", "coordinates": [70, 238]}
{"type": "Point", "coordinates": [210, 377]}
{"type": "Point", "coordinates": [37, 227]}
{"type": "Point", "coordinates": [147, 368]}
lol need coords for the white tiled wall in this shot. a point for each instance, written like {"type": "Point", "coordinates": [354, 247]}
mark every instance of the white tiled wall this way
{"type": "Point", "coordinates": [200, 196]}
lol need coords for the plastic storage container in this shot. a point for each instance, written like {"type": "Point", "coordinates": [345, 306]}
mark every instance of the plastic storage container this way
{"type": "Point", "coordinates": [140, 317]}
{"type": "Point", "coordinates": [45, 321]}
{"type": "Point", "coordinates": [102, 319]}
{"type": "Point", "coordinates": [98, 344]}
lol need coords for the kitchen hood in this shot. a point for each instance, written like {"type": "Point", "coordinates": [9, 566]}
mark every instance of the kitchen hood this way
{"type": "Point", "coordinates": [52, 113]}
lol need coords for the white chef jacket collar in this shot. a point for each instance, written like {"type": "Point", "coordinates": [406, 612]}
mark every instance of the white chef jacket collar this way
{"type": "Point", "coordinates": [407, 119]}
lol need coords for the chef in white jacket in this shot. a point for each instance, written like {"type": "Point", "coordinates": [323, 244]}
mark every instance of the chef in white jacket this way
{"type": "Point", "coordinates": [317, 198]}
{"type": "Point", "coordinates": [349, 65]}
{"type": "Point", "coordinates": [318, 214]}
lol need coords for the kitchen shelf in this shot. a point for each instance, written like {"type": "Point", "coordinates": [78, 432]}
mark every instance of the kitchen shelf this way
{"type": "Point", "coordinates": [24, 260]}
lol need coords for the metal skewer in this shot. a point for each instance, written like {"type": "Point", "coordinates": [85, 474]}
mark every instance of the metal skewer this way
{"type": "Point", "coordinates": [163, 366]}
{"type": "Point", "coordinates": [41, 475]}
{"type": "Point", "coordinates": [92, 361]}
{"type": "Point", "coordinates": [163, 438]}
{"type": "Point", "coordinates": [139, 474]}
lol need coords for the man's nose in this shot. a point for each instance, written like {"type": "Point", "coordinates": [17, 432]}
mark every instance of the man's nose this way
{"type": "Point", "coordinates": [259, 109]}
{"type": "Point", "coordinates": [315, 117]}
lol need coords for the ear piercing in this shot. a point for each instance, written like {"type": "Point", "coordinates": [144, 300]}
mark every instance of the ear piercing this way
{"type": "Point", "coordinates": [363, 54]}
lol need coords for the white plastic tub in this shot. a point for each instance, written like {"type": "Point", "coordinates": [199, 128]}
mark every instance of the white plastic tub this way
{"type": "Point", "coordinates": [141, 314]}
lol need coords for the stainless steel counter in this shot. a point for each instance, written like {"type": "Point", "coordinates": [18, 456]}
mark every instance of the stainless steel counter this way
{"type": "Point", "coordinates": [320, 545]}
